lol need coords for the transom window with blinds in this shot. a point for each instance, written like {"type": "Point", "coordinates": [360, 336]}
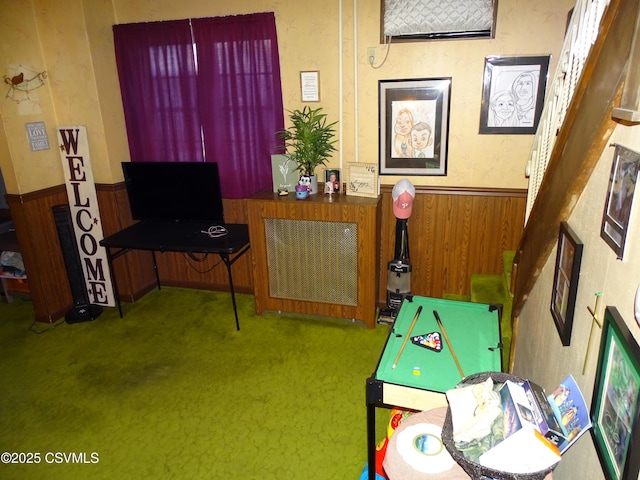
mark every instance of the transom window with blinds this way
{"type": "Point", "coordinates": [204, 90]}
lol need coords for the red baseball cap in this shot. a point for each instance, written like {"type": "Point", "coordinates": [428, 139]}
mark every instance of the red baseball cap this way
{"type": "Point", "coordinates": [403, 194]}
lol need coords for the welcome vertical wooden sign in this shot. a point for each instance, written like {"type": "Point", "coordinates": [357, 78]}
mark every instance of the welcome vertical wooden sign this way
{"type": "Point", "coordinates": [83, 205]}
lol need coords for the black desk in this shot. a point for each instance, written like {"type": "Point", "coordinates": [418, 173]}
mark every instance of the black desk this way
{"type": "Point", "coordinates": [178, 237]}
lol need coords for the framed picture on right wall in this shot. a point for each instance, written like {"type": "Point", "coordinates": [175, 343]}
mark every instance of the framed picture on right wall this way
{"type": "Point", "coordinates": [565, 281]}
{"type": "Point", "coordinates": [615, 409]}
{"type": "Point", "coordinates": [617, 210]}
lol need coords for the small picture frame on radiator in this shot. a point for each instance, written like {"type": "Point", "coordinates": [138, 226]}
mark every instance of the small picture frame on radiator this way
{"type": "Point", "coordinates": [332, 180]}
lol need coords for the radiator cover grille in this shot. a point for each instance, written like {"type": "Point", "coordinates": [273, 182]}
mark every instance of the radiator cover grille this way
{"type": "Point", "coordinates": [312, 260]}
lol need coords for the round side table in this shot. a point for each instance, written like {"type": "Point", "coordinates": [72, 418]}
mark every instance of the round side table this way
{"type": "Point", "coordinates": [396, 467]}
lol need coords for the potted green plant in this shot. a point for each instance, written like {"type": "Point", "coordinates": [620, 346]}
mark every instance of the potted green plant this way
{"type": "Point", "coordinates": [309, 141]}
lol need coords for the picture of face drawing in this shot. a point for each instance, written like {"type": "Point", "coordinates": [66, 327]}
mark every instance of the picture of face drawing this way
{"type": "Point", "coordinates": [524, 89]}
{"type": "Point", "coordinates": [402, 130]}
{"type": "Point", "coordinates": [502, 111]}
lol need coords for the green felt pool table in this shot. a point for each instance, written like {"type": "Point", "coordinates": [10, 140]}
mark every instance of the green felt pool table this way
{"type": "Point", "coordinates": [414, 377]}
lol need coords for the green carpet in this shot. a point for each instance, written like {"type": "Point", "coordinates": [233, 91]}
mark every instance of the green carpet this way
{"type": "Point", "coordinates": [172, 390]}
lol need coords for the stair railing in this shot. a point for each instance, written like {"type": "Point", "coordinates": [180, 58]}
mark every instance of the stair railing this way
{"type": "Point", "coordinates": [582, 32]}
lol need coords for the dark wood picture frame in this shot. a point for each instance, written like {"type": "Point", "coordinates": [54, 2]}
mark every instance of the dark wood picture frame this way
{"type": "Point", "coordinates": [615, 409]}
{"type": "Point", "coordinates": [565, 281]}
{"type": "Point", "coordinates": [414, 126]}
{"type": "Point", "coordinates": [617, 210]}
{"type": "Point", "coordinates": [513, 94]}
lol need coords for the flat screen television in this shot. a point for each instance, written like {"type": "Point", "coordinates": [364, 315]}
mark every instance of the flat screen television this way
{"type": "Point", "coordinates": [174, 191]}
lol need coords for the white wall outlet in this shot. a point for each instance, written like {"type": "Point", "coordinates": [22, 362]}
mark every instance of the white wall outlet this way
{"type": "Point", "coordinates": [371, 55]}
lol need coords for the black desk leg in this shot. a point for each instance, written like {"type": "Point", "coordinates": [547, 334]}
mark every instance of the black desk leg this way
{"type": "Point", "coordinates": [227, 262]}
{"type": "Point", "coordinates": [155, 269]}
{"type": "Point", "coordinates": [114, 284]}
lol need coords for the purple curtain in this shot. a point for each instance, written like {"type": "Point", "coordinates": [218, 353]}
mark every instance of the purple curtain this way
{"type": "Point", "coordinates": [223, 96]}
{"type": "Point", "coordinates": [240, 98]}
{"type": "Point", "coordinates": [157, 71]}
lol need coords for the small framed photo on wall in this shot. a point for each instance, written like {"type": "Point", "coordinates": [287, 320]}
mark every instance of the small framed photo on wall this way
{"type": "Point", "coordinates": [617, 210]}
{"type": "Point", "coordinates": [565, 281]}
{"type": "Point", "coordinates": [513, 94]}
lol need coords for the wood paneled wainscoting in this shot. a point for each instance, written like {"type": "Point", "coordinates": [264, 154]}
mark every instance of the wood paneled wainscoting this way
{"type": "Point", "coordinates": [38, 238]}
{"type": "Point", "coordinates": [453, 233]}
{"type": "Point", "coordinates": [40, 249]}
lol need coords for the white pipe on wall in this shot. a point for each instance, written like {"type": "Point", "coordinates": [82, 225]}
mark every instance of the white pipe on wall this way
{"type": "Point", "coordinates": [340, 74]}
{"type": "Point", "coordinates": [356, 154]}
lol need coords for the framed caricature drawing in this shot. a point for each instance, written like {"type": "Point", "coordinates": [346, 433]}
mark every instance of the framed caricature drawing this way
{"type": "Point", "coordinates": [414, 126]}
{"type": "Point", "coordinates": [513, 94]}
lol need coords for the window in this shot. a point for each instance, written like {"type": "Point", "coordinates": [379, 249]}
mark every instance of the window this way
{"type": "Point", "coordinates": [205, 89]}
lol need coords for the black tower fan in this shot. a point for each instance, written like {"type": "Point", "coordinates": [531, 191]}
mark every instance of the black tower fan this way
{"type": "Point", "coordinates": [82, 310]}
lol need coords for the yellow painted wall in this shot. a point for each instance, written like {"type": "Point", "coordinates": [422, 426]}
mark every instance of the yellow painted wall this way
{"type": "Point", "coordinates": [540, 354]}
{"type": "Point", "coordinates": [74, 46]}
{"type": "Point", "coordinates": [72, 41]}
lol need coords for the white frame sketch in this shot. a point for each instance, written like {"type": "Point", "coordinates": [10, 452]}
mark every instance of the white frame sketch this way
{"type": "Point", "coordinates": [513, 94]}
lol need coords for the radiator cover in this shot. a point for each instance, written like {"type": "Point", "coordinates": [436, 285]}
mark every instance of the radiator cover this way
{"type": "Point", "coordinates": [312, 260]}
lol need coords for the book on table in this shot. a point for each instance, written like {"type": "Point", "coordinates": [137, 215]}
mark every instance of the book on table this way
{"type": "Point", "coordinates": [524, 449]}
{"type": "Point", "coordinates": [538, 428]}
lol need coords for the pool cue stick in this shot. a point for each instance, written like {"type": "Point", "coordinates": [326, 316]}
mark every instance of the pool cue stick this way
{"type": "Point", "coordinates": [446, 339]}
{"type": "Point", "coordinates": [406, 337]}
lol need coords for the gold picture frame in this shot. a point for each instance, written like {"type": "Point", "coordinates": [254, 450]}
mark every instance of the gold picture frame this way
{"type": "Point", "coordinates": [362, 179]}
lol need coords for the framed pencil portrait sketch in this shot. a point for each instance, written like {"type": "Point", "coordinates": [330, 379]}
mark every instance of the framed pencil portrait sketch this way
{"type": "Point", "coordinates": [513, 94]}
{"type": "Point", "coordinates": [414, 126]}
{"type": "Point", "coordinates": [617, 210]}
{"type": "Point", "coordinates": [565, 281]}
{"type": "Point", "coordinates": [615, 412]}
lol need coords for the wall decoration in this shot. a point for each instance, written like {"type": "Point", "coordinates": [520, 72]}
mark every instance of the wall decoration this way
{"type": "Point", "coordinates": [362, 179]}
{"type": "Point", "coordinates": [565, 281]}
{"type": "Point", "coordinates": [284, 173]}
{"type": "Point", "coordinates": [414, 126]}
{"type": "Point", "coordinates": [595, 320]}
{"type": "Point", "coordinates": [617, 210]}
{"type": "Point", "coordinates": [37, 135]}
{"type": "Point", "coordinates": [310, 86]}
{"type": "Point", "coordinates": [614, 409]}
{"type": "Point", "coordinates": [22, 82]}
{"type": "Point", "coordinates": [513, 94]}
{"type": "Point", "coordinates": [83, 205]}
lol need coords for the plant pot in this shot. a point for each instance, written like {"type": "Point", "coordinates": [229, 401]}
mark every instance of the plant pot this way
{"type": "Point", "coordinates": [314, 184]}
